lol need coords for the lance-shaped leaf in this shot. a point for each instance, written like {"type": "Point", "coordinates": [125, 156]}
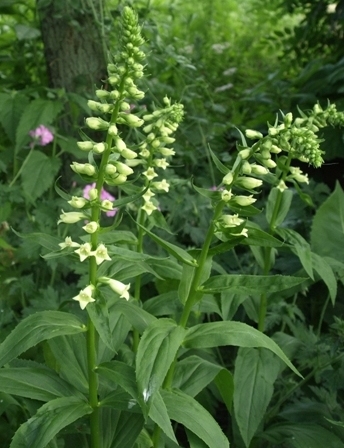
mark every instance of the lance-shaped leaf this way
{"type": "Point", "coordinates": [42, 239]}
{"type": "Point", "coordinates": [122, 374]}
{"type": "Point", "coordinates": [186, 410]}
{"type": "Point", "coordinates": [157, 349]}
{"type": "Point", "coordinates": [193, 374]}
{"type": "Point", "coordinates": [255, 373]}
{"type": "Point", "coordinates": [68, 355]}
{"type": "Point", "coordinates": [137, 317]}
{"type": "Point", "coordinates": [216, 334]}
{"type": "Point", "coordinates": [283, 208]}
{"type": "Point", "coordinates": [37, 328]}
{"type": "Point", "coordinates": [250, 284]}
{"type": "Point", "coordinates": [176, 251]}
{"type": "Point", "coordinates": [158, 413]}
{"type": "Point", "coordinates": [38, 383]}
{"type": "Point", "coordinates": [39, 430]}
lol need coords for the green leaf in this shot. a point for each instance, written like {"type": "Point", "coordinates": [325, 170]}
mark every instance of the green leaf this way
{"type": "Point", "coordinates": [327, 233]}
{"type": "Point", "coordinates": [122, 374]}
{"type": "Point", "coordinates": [251, 284]}
{"type": "Point", "coordinates": [301, 248]}
{"type": "Point", "coordinates": [42, 239]}
{"type": "Point", "coordinates": [284, 206]}
{"type": "Point", "coordinates": [157, 349]}
{"type": "Point", "coordinates": [37, 328]}
{"type": "Point", "coordinates": [158, 413]}
{"type": "Point", "coordinates": [11, 109]}
{"type": "Point", "coordinates": [219, 165]}
{"type": "Point", "coordinates": [121, 400]}
{"type": "Point", "coordinates": [193, 374]}
{"type": "Point", "coordinates": [99, 314]}
{"type": "Point", "coordinates": [172, 249]}
{"type": "Point", "coordinates": [255, 372]}
{"type": "Point", "coordinates": [163, 305]}
{"type": "Point", "coordinates": [187, 411]}
{"type": "Point", "coordinates": [25, 32]}
{"type": "Point", "coordinates": [322, 267]}
{"type": "Point", "coordinates": [225, 384]}
{"type": "Point", "coordinates": [257, 237]}
{"type": "Point", "coordinates": [39, 430]}
{"type": "Point", "coordinates": [216, 334]}
{"type": "Point", "coordinates": [70, 357]}
{"type": "Point", "coordinates": [137, 317]}
{"type": "Point", "coordinates": [39, 111]}
{"type": "Point", "coordinates": [306, 435]}
{"type": "Point", "coordinates": [38, 383]}
{"type": "Point", "coordinates": [39, 174]}
{"type": "Point", "coordinates": [128, 427]}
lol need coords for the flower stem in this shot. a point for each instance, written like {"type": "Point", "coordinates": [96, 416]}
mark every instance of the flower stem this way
{"type": "Point", "coordinates": [93, 385]}
{"type": "Point", "coordinates": [263, 306]}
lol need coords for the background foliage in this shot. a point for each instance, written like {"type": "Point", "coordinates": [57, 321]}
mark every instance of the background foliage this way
{"type": "Point", "coordinates": [233, 65]}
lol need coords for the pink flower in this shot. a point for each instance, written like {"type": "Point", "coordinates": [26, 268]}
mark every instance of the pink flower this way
{"type": "Point", "coordinates": [104, 195]}
{"type": "Point", "coordinates": [42, 135]}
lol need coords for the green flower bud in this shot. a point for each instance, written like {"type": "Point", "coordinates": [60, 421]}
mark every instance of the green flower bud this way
{"type": "Point", "coordinates": [275, 149]}
{"type": "Point", "coordinates": [91, 227]}
{"type": "Point", "coordinates": [97, 123]}
{"type": "Point", "coordinates": [166, 152]}
{"type": "Point", "coordinates": [246, 167]}
{"type": "Point", "coordinates": [226, 195]}
{"type": "Point", "coordinates": [85, 146]}
{"type": "Point", "coordinates": [245, 153]}
{"type": "Point", "coordinates": [120, 144]}
{"type": "Point", "coordinates": [110, 169]}
{"type": "Point", "coordinates": [93, 194]}
{"type": "Point", "coordinates": [167, 140]}
{"type": "Point", "coordinates": [118, 180]}
{"type": "Point", "coordinates": [113, 131]}
{"type": "Point", "coordinates": [228, 179]}
{"type": "Point", "coordinates": [249, 182]}
{"type": "Point", "coordinates": [258, 169]}
{"type": "Point", "coordinates": [77, 202]}
{"type": "Point", "coordinates": [244, 201]}
{"type": "Point", "coordinates": [99, 148]}
{"type": "Point", "coordinates": [71, 217]}
{"type": "Point", "coordinates": [83, 168]}
{"type": "Point", "coordinates": [250, 133]}
{"type": "Point", "coordinates": [128, 154]}
{"type": "Point", "coordinates": [102, 94]}
{"type": "Point", "coordinates": [132, 120]}
{"type": "Point", "coordinates": [122, 168]}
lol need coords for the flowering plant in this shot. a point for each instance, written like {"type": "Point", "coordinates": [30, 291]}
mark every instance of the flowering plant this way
{"type": "Point", "coordinates": [130, 365]}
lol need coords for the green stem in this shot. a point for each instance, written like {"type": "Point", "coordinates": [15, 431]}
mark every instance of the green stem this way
{"type": "Point", "coordinates": [263, 306]}
{"type": "Point", "coordinates": [327, 301]}
{"type": "Point", "coordinates": [190, 301]}
{"type": "Point", "coordinates": [137, 292]}
{"type": "Point", "coordinates": [22, 167]}
{"type": "Point", "coordinates": [93, 385]}
{"type": "Point", "coordinates": [192, 295]}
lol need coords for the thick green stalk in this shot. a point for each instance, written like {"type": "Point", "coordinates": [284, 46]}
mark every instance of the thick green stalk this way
{"type": "Point", "coordinates": [267, 252]}
{"type": "Point", "coordinates": [91, 332]}
{"type": "Point", "coordinates": [137, 292]}
{"type": "Point", "coordinates": [190, 301]}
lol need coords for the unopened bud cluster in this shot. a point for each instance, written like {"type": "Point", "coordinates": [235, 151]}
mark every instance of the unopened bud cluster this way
{"type": "Point", "coordinates": [155, 153]}
{"type": "Point", "coordinates": [110, 161]}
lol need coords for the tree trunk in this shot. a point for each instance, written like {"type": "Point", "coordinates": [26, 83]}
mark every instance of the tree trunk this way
{"type": "Point", "coordinates": [72, 44]}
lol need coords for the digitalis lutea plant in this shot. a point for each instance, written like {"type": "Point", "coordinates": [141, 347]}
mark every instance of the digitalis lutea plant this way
{"type": "Point", "coordinates": [142, 400]}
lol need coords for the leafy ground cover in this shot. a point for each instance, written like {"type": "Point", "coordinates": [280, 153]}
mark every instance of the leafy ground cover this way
{"type": "Point", "coordinates": [171, 236]}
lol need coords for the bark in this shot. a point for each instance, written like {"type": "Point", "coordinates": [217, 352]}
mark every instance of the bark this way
{"type": "Point", "coordinates": [72, 44]}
